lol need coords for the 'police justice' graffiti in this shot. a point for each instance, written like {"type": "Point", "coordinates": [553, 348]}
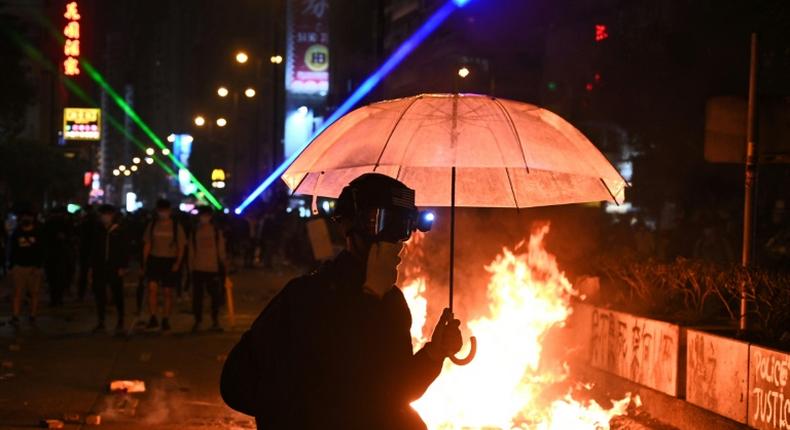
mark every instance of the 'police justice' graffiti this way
{"type": "Point", "coordinates": [770, 405]}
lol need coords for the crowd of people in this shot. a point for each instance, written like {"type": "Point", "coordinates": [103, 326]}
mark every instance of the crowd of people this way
{"type": "Point", "coordinates": [177, 253]}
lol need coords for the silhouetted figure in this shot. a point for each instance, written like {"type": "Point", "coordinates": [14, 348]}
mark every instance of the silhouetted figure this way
{"type": "Point", "coordinates": [26, 258]}
{"type": "Point", "coordinates": [57, 240]}
{"type": "Point", "coordinates": [85, 230]}
{"type": "Point", "coordinates": [207, 263]}
{"type": "Point", "coordinates": [109, 260]}
{"type": "Point", "coordinates": [332, 350]}
{"type": "Point", "coordinates": [163, 251]}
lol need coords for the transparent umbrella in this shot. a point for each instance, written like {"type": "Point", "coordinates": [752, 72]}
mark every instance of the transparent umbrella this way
{"type": "Point", "coordinates": [463, 150]}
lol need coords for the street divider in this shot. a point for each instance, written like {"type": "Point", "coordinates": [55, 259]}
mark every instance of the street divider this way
{"type": "Point", "coordinates": [746, 383]}
{"type": "Point", "coordinates": [717, 370]}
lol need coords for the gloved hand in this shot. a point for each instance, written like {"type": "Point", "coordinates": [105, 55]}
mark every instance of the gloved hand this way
{"type": "Point", "coordinates": [446, 339]}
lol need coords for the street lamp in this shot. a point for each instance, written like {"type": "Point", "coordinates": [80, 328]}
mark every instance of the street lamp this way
{"type": "Point", "coordinates": [149, 160]}
{"type": "Point", "coordinates": [241, 57]}
{"type": "Point", "coordinates": [276, 59]}
{"type": "Point", "coordinates": [222, 92]}
{"type": "Point", "coordinates": [249, 92]}
{"type": "Point", "coordinates": [116, 172]}
{"type": "Point", "coordinates": [199, 121]}
{"type": "Point", "coordinates": [222, 122]}
{"type": "Point", "coordinates": [134, 168]}
{"type": "Point", "coordinates": [127, 172]}
{"type": "Point", "coordinates": [149, 151]}
{"type": "Point", "coordinates": [136, 160]}
{"type": "Point", "coordinates": [165, 151]}
{"type": "Point", "coordinates": [463, 72]}
{"type": "Point", "coordinates": [122, 168]}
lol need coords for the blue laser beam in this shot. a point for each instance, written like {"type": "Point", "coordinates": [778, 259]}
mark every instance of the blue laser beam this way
{"type": "Point", "coordinates": [363, 90]}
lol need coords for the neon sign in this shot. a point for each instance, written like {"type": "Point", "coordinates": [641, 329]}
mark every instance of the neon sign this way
{"type": "Point", "coordinates": [81, 124]}
{"type": "Point", "coordinates": [601, 32]}
{"type": "Point", "coordinates": [71, 46]}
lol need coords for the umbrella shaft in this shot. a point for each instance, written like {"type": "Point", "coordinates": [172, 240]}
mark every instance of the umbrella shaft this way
{"type": "Point", "coordinates": [452, 236]}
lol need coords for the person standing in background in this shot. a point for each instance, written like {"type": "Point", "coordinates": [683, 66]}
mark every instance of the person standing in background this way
{"type": "Point", "coordinates": [26, 257]}
{"type": "Point", "coordinates": [109, 260]}
{"type": "Point", "coordinates": [163, 251]}
{"type": "Point", "coordinates": [87, 226]}
{"type": "Point", "coordinates": [57, 240]}
{"type": "Point", "coordinates": [207, 264]}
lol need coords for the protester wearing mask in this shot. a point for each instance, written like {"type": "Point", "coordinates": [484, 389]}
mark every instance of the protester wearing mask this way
{"type": "Point", "coordinates": [207, 263]}
{"type": "Point", "coordinates": [26, 257]}
{"type": "Point", "coordinates": [333, 350]}
{"type": "Point", "coordinates": [163, 251]}
{"type": "Point", "coordinates": [109, 260]}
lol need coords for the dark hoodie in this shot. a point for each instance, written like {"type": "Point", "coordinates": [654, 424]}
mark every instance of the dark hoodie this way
{"type": "Point", "coordinates": [324, 354]}
{"type": "Point", "coordinates": [109, 248]}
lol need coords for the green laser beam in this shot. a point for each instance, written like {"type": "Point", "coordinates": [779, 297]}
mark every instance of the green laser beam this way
{"type": "Point", "coordinates": [75, 89]}
{"type": "Point", "coordinates": [99, 79]}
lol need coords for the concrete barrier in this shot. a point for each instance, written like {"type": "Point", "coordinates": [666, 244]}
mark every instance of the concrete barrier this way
{"type": "Point", "coordinates": [769, 401]}
{"type": "Point", "coordinates": [639, 349]}
{"type": "Point", "coordinates": [716, 374]}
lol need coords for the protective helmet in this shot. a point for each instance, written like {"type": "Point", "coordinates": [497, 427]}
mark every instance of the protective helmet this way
{"type": "Point", "coordinates": [381, 208]}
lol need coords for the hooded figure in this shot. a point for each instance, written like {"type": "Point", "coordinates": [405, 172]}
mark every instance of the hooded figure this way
{"type": "Point", "coordinates": [332, 350]}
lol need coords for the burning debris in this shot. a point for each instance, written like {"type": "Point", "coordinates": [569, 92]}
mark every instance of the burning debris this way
{"type": "Point", "coordinates": [127, 386]}
{"type": "Point", "coordinates": [512, 383]}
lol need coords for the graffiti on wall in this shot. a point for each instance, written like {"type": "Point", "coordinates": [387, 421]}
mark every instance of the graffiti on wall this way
{"type": "Point", "coordinates": [642, 350]}
{"type": "Point", "coordinates": [716, 374]}
{"type": "Point", "coordinates": [769, 406]}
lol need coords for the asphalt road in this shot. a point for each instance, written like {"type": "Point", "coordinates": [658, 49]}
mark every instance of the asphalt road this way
{"type": "Point", "coordinates": [59, 367]}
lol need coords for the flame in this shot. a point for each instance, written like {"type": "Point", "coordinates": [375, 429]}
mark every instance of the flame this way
{"type": "Point", "coordinates": [505, 387]}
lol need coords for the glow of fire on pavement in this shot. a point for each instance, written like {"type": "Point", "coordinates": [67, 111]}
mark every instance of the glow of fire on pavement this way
{"type": "Point", "coordinates": [506, 386]}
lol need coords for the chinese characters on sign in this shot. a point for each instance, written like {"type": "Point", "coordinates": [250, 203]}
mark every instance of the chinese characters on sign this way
{"type": "Point", "coordinates": [307, 68]}
{"type": "Point", "coordinates": [81, 124]}
{"type": "Point", "coordinates": [71, 46]}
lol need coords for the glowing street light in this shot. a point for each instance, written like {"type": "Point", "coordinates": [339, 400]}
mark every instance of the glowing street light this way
{"type": "Point", "coordinates": [134, 168]}
{"type": "Point", "coordinates": [149, 160]}
{"type": "Point", "coordinates": [463, 72]}
{"type": "Point", "coordinates": [222, 92]}
{"type": "Point", "coordinates": [222, 122]}
{"type": "Point", "coordinates": [127, 172]}
{"type": "Point", "coordinates": [276, 59]}
{"type": "Point", "coordinates": [122, 168]}
{"type": "Point", "coordinates": [136, 160]}
{"type": "Point", "coordinates": [241, 57]}
{"type": "Point", "coordinates": [200, 121]}
{"type": "Point", "coordinates": [149, 151]}
{"type": "Point", "coordinates": [249, 92]}
{"type": "Point", "coordinates": [116, 172]}
{"type": "Point", "coordinates": [165, 151]}
{"type": "Point", "coordinates": [171, 138]}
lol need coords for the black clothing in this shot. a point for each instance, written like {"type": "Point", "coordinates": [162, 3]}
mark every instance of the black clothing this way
{"type": "Point", "coordinates": [160, 270]}
{"type": "Point", "coordinates": [85, 232]}
{"type": "Point", "coordinates": [108, 253]}
{"type": "Point", "coordinates": [57, 238]}
{"type": "Point", "coordinates": [26, 249]}
{"type": "Point", "coordinates": [109, 248]}
{"type": "Point", "coordinates": [102, 279]}
{"type": "Point", "coordinates": [211, 283]}
{"type": "Point", "coordinates": [324, 354]}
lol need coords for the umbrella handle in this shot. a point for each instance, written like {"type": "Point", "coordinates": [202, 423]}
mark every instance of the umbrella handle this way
{"type": "Point", "coordinates": [468, 359]}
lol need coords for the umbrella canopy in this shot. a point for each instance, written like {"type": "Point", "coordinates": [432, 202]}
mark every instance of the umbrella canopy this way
{"type": "Point", "coordinates": [505, 153]}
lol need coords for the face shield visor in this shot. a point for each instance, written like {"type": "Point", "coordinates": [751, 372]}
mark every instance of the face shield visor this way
{"type": "Point", "coordinates": [394, 224]}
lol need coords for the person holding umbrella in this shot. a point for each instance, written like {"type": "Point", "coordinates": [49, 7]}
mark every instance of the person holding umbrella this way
{"type": "Point", "coordinates": [333, 350]}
